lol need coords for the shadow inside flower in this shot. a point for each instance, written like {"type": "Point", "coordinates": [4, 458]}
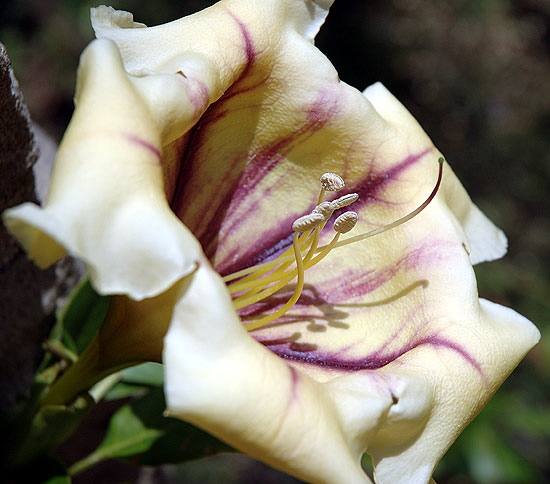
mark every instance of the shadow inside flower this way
{"type": "Point", "coordinates": [331, 313]}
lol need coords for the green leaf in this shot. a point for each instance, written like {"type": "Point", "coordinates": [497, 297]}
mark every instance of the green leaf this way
{"type": "Point", "coordinates": [127, 435]}
{"type": "Point", "coordinates": [179, 441]}
{"type": "Point", "coordinates": [49, 427]}
{"type": "Point", "coordinates": [141, 432]}
{"type": "Point", "coordinates": [136, 380]}
{"type": "Point", "coordinates": [151, 374]}
{"type": "Point", "coordinates": [64, 479]}
{"type": "Point", "coordinates": [81, 317]}
{"type": "Point", "coordinates": [125, 390]}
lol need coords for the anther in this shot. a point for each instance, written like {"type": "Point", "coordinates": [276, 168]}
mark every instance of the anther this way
{"type": "Point", "coordinates": [345, 222]}
{"type": "Point", "coordinates": [326, 209]}
{"type": "Point", "coordinates": [332, 182]}
{"type": "Point", "coordinates": [308, 222]}
{"type": "Point", "coordinates": [345, 200]}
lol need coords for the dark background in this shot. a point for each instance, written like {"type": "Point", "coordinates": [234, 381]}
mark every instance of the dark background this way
{"type": "Point", "coordinates": [476, 74]}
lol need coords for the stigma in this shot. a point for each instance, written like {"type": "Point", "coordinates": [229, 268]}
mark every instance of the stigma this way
{"type": "Point", "coordinates": [254, 284]}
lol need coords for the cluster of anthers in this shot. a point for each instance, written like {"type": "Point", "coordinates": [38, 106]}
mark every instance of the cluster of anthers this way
{"type": "Point", "coordinates": [259, 282]}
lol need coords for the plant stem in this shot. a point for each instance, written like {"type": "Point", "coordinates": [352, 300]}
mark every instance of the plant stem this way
{"type": "Point", "coordinates": [83, 464]}
{"type": "Point", "coordinates": [100, 389]}
{"type": "Point", "coordinates": [81, 376]}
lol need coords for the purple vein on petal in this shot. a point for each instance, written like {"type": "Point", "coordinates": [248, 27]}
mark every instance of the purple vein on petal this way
{"type": "Point", "coordinates": [278, 240]}
{"type": "Point", "coordinates": [198, 138]}
{"type": "Point", "coordinates": [136, 140]}
{"type": "Point", "coordinates": [261, 163]}
{"type": "Point", "coordinates": [250, 168]}
{"type": "Point", "coordinates": [249, 49]}
{"type": "Point", "coordinates": [228, 215]}
{"type": "Point", "coordinates": [354, 283]}
{"type": "Point", "coordinates": [369, 187]}
{"type": "Point", "coordinates": [295, 380]}
{"type": "Point", "coordinates": [251, 55]}
{"type": "Point", "coordinates": [198, 94]}
{"type": "Point", "coordinates": [350, 285]}
{"type": "Point", "coordinates": [373, 360]}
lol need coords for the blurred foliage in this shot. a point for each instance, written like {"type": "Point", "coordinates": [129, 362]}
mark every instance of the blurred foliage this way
{"type": "Point", "coordinates": [476, 74]}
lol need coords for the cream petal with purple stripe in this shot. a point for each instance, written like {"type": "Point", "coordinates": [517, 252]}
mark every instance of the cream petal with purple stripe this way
{"type": "Point", "coordinates": [225, 120]}
{"type": "Point", "coordinates": [389, 304]}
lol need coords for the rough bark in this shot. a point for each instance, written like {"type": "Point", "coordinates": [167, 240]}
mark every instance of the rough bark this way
{"type": "Point", "coordinates": [27, 295]}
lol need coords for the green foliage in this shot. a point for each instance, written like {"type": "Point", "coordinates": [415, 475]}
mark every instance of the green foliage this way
{"type": "Point", "coordinates": [506, 444]}
{"type": "Point", "coordinates": [151, 374]}
{"type": "Point", "coordinates": [51, 426]}
{"type": "Point", "coordinates": [33, 435]}
{"type": "Point", "coordinates": [78, 322]}
{"type": "Point", "coordinates": [139, 431]}
{"type": "Point", "coordinates": [33, 431]}
{"type": "Point", "coordinates": [128, 434]}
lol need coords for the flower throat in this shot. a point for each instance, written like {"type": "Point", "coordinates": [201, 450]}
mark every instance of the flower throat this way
{"type": "Point", "coordinates": [256, 283]}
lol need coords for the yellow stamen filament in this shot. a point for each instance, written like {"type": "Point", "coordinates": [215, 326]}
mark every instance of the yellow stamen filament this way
{"type": "Point", "coordinates": [257, 271]}
{"type": "Point", "coordinates": [259, 282]}
{"type": "Point", "coordinates": [321, 196]}
{"type": "Point", "coordinates": [297, 291]}
{"type": "Point", "coordinates": [280, 276]}
{"type": "Point", "coordinates": [323, 251]}
{"type": "Point", "coordinates": [264, 266]}
{"type": "Point", "coordinates": [253, 272]}
{"type": "Point", "coordinates": [301, 267]}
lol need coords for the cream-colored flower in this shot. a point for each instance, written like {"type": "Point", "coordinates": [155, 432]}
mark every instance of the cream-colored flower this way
{"type": "Point", "coordinates": [205, 139]}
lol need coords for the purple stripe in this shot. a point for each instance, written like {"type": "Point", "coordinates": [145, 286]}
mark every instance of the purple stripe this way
{"type": "Point", "coordinates": [247, 40]}
{"type": "Point", "coordinates": [372, 361]}
{"type": "Point", "coordinates": [318, 115]}
{"type": "Point", "coordinates": [136, 140]}
{"type": "Point", "coordinates": [198, 94]}
{"type": "Point", "coordinates": [250, 53]}
{"type": "Point", "coordinates": [277, 241]}
{"type": "Point", "coordinates": [197, 136]}
{"type": "Point", "coordinates": [262, 162]}
{"type": "Point", "coordinates": [369, 187]}
{"type": "Point", "coordinates": [353, 284]}
{"type": "Point", "coordinates": [347, 286]}
{"type": "Point", "coordinates": [242, 187]}
{"type": "Point", "coordinates": [295, 379]}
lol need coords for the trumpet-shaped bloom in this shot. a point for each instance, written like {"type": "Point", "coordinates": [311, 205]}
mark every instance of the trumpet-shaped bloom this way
{"type": "Point", "coordinates": [194, 147]}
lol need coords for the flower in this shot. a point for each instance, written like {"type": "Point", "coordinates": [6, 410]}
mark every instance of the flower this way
{"type": "Point", "coordinates": [194, 148]}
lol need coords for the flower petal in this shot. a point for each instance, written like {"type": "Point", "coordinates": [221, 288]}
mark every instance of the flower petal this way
{"type": "Point", "coordinates": [220, 379]}
{"type": "Point", "coordinates": [484, 240]}
{"type": "Point", "coordinates": [502, 340]}
{"type": "Point", "coordinates": [389, 348]}
{"type": "Point", "coordinates": [107, 203]}
{"type": "Point", "coordinates": [175, 72]}
{"type": "Point", "coordinates": [264, 113]}
{"type": "Point", "coordinates": [406, 301]}
{"type": "Point", "coordinates": [406, 312]}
